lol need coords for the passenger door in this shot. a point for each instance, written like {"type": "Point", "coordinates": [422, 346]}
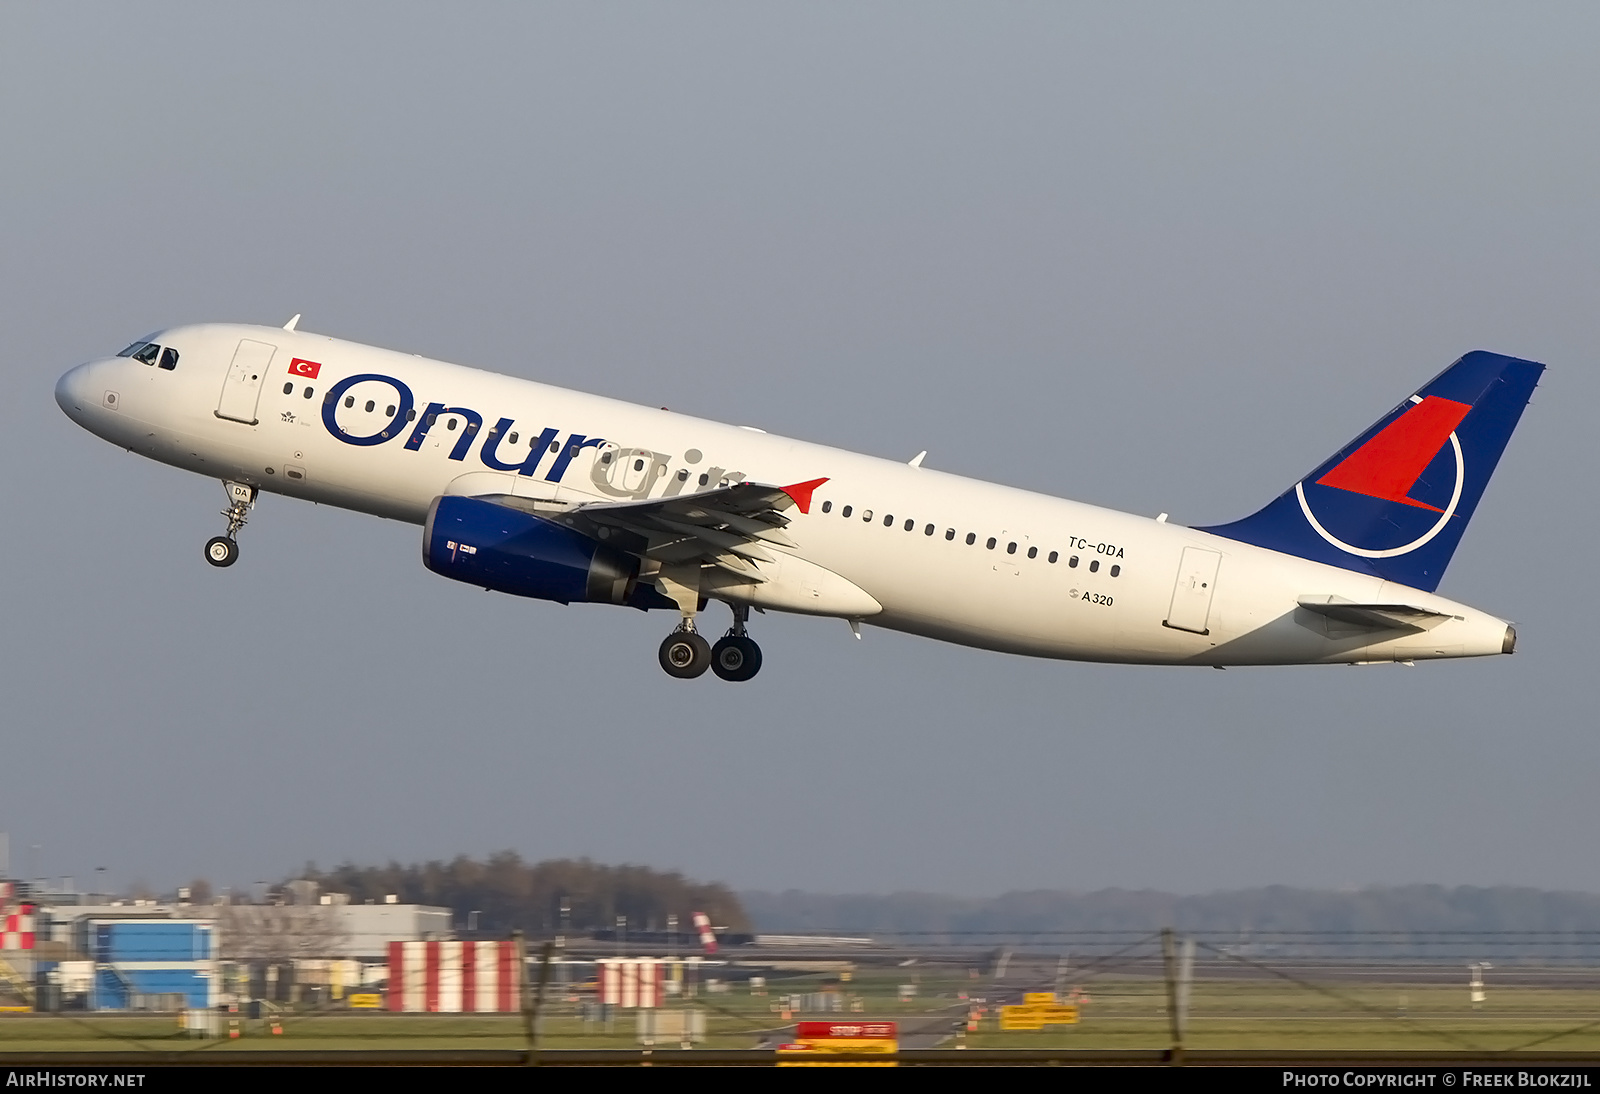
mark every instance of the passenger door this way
{"type": "Point", "coordinates": [242, 388]}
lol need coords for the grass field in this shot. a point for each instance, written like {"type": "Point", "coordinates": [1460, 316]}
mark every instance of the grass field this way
{"type": "Point", "coordinates": [1124, 1014]}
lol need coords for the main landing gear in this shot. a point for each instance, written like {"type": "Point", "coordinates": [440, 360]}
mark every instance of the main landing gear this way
{"type": "Point", "coordinates": [735, 657]}
{"type": "Point", "coordinates": [223, 550]}
{"type": "Point", "coordinates": [685, 654]}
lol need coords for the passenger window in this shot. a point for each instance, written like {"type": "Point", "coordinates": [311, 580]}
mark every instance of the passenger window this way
{"type": "Point", "coordinates": [349, 401]}
{"type": "Point", "coordinates": [949, 533]}
{"type": "Point", "coordinates": [431, 419]}
{"type": "Point", "coordinates": [1033, 552]}
{"type": "Point", "coordinates": [827, 507]}
{"type": "Point", "coordinates": [910, 524]}
{"type": "Point", "coordinates": [555, 446]}
{"type": "Point", "coordinates": [683, 475]}
{"type": "Point", "coordinates": [1094, 566]}
{"type": "Point", "coordinates": [866, 515]}
{"type": "Point", "coordinates": [370, 405]}
{"type": "Point", "coordinates": [845, 512]}
{"type": "Point", "coordinates": [1073, 562]}
{"type": "Point", "coordinates": [133, 349]}
{"type": "Point", "coordinates": [888, 520]}
{"type": "Point", "coordinates": [707, 478]}
{"type": "Point", "coordinates": [928, 531]}
{"type": "Point", "coordinates": [605, 457]}
{"type": "Point", "coordinates": [1011, 548]}
{"type": "Point", "coordinates": [513, 438]}
{"type": "Point", "coordinates": [638, 465]}
{"type": "Point", "coordinates": [147, 356]}
{"type": "Point", "coordinates": [388, 411]}
{"type": "Point", "coordinates": [288, 389]}
{"type": "Point", "coordinates": [169, 358]}
{"type": "Point", "coordinates": [972, 537]}
{"type": "Point", "coordinates": [992, 542]}
{"type": "Point", "coordinates": [1054, 556]}
{"type": "Point", "coordinates": [1116, 571]}
{"type": "Point", "coordinates": [411, 415]}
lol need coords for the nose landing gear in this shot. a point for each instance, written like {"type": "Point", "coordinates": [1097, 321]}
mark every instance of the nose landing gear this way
{"type": "Point", "coordinates": [223, 550]}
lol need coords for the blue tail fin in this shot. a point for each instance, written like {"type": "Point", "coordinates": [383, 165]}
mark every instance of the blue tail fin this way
{"type": "Point", "coordinates": [1394, 501]}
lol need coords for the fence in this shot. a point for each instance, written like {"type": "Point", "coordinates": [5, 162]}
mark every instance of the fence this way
{"type": "Point", "coordinates": [1195, 997]}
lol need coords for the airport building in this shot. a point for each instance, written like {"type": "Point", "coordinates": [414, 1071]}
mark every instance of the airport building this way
{"type": "Point", "coordinates": [77, 951]}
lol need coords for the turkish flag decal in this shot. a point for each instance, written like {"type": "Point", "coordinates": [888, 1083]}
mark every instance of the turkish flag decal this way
{"type": "Point", "coordinates": [301, 367]}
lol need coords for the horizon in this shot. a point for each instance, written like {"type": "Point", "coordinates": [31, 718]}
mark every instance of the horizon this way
{"type": "Point", "coordinates": [1160, 259]}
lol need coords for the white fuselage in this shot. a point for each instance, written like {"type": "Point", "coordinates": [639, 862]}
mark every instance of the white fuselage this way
{"type": "Point", "coordinates": [1108, 595]}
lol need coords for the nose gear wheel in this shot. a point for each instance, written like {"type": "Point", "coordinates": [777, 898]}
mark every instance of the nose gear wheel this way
{"type": "Point", "coordinates": [221, 551]}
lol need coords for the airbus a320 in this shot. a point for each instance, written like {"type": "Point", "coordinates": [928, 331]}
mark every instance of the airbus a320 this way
{"type": "Point", "coordinates": [547, 493]}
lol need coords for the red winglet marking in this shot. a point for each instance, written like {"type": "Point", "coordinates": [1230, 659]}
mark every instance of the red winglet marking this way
{"type": "Point", "coordinates": [1390, 464]}
{"type": "Point", "coordinates": [801, 493]}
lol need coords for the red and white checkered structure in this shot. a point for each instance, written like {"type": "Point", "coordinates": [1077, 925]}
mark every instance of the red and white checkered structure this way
{"type": "Point", "coordinates": [631, 981]}
{"type": "Point", "coordinates": [708, 937]}
{"type": "Point", "coordinates": [454, 977]}
{"type": "Point", "coordinates": [16, 920]}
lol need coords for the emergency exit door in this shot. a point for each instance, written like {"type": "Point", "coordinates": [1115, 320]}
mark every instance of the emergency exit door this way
{"type": "Point", "coordinates": [1191, 596]}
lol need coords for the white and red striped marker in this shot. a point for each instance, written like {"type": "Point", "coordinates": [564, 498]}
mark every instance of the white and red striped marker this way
{"type": "Point", "coordinates": [708, 937]}
{"type": "Point", "coordinates": [454, 977]}
{"type": "Point", "coordinates": [17, 928]}
{"type": "Point", "coordinates": [631, 981]}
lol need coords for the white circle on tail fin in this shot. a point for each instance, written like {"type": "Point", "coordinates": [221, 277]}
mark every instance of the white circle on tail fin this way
{"type": "Point", "coordinates": [1405, 549]}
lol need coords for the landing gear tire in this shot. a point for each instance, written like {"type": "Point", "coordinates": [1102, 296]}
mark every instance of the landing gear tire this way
{"type": "Point", "coordinates": [685, 655]}
{"type": "Point", "coordinates": [736, 658]}
{"type": "Point", "coordinates": [221, 551]}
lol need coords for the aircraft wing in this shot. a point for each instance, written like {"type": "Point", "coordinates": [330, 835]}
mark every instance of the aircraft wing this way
{"type": "Point", "coordinates": [725, 527]}
{"type": "Point", "coordinates": [1377, 617]}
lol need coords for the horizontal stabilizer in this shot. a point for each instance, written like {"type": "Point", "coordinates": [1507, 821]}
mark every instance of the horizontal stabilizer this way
{"type": "Point", "coordinates": [1378, 617]}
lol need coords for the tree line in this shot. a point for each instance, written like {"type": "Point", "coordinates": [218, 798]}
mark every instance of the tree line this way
{"type": "Point", "coordinates": [539, 898]}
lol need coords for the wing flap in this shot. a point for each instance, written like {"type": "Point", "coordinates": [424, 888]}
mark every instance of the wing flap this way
{"type": "Point", "coordinates": [728, 528]}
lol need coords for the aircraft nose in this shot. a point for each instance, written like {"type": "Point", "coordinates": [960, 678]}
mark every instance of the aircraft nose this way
{"type": "Point", "coordinates": [75, 391]}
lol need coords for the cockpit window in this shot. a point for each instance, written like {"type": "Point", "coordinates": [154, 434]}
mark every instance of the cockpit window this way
{"type": "Point", "coordinates": [169, 358]}
{"type": "Point", "coordinates": [148, 355]}
{"type": "Point", "coordinates": [133, 349]}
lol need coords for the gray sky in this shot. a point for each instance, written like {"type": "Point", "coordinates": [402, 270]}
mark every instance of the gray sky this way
{"type": "Point", "coordinates": [1156, 257]}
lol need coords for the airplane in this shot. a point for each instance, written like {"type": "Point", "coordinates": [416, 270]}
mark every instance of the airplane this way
{"type": "Point", "coordinates": [541, 492]}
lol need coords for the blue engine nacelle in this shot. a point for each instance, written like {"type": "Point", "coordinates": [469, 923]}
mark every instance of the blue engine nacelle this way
{"type": "Point", "coordinates": [505, 549]}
